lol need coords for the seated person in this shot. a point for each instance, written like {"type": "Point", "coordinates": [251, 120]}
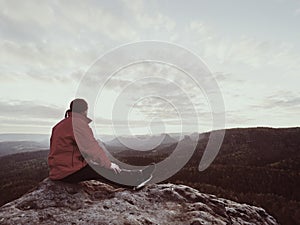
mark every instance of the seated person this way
{"type": "Point", "coordinates": [71, 139]}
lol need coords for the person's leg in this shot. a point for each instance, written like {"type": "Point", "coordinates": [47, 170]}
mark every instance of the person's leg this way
{"type": "Point", "coordinates": [125, 178]}
{"type": "Point", "coordinates": [132, 178]}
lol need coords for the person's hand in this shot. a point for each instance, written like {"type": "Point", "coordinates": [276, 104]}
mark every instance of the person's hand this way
{"type": "Point", "coordinates": [115, 168]}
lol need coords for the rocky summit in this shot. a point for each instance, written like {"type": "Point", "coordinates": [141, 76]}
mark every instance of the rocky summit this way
{"type": "Point", "coordinates": [93, 202]}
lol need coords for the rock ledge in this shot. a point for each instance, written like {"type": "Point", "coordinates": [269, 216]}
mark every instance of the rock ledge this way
{"type": "Point", "coordinates": [93, 202]}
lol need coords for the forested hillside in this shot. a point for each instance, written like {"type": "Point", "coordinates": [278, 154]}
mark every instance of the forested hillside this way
{"type": "Point", "coordinates": [21, 172]}
{"type": "Point", "coordinates": [259, 166]}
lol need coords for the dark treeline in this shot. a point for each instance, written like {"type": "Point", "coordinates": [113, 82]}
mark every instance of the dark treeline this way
{"type": "Point", "coordinates": [258, 166]}
{"type": "Point", "coordinates": [21, 172]}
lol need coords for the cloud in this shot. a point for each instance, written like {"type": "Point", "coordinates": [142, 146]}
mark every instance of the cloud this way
{"type": "Point", "coordinates": [294, 102]}
{"type": "Point", "coordinates": [66, 18]}
{"type": "Point", "coordinates": [19, 109]}
{"type": "Point", "coordinates": [202, 31]}
{"type": "Point", "coordinates": [158, 96]}
{"type": "Point", "coordinates": [149, 19]}
{"type": "Point", "coordinates": [28, 116]}
{"type": "Point", "coordinates": [25, 122]}
{"type": "Point", "coordinates": [56, 36]}
{"type": "Point", "coordinates": [226, 77]}
{"type": "Point", "coordinates": [242, 50]}
{"type": "Point", "coordinates": [282, 102]}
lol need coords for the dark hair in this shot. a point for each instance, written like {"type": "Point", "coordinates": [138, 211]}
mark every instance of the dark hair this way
{"type": "Point", "coordinates": [78, 105]}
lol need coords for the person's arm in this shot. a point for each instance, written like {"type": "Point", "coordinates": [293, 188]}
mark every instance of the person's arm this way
{"type": "Point", "coordinates": [88, 144]}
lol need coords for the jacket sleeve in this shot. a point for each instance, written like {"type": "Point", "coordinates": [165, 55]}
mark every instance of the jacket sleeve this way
{"type": "Point", "coordinates": [88, 144]}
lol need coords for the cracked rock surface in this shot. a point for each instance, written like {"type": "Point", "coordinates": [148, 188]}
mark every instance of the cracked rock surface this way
{"type": "Point", "coordinates": [93, 202]}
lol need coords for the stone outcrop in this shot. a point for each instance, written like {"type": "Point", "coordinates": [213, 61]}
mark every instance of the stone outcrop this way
{"type": "Point", "coordinates": [93, 202]}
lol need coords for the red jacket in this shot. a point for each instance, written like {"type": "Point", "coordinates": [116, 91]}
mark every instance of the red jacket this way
{"type": "Point", "coordinates": [71, 138]}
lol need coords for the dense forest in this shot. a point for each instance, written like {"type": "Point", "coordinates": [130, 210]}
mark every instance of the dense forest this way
{"type": "Point", "coordinates": [258, 166]}
{"type": "Point", "coordinates": [21, 172]}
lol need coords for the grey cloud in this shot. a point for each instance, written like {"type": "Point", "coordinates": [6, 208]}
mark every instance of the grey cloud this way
{"type": "Point", "coordinates": [30, 109]}
{"type": "Point", "coordinates": [281, 103]}
{"type": "Point", "coordinates": [292, 102]}
{"type": "Point", "coordinates": [99, 122]}
{"type": "Point", "coordinates": [154, 20]}
{"type": "Point", "coordinates": [280, 99]}
{"type": "Point", "coordinates": [26, 122]}
{"type": "Point", "coordinates": [156, 99]}
{"type": "Point", "coordinates": [247, 50]}
{"type": "Point", "coordinates": [62, 17]}
{"type": "Point", "coordinates": [26, 57]}
{"type": "Point", "coordinates": [38, 36]}
{"type": "Point", "coordinates": [102, 121]}
{"type": "Point", "coordinates": [226, 77]}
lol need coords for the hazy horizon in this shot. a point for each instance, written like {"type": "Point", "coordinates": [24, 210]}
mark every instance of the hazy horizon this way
{"type": "Point", "coordinates": [170, 133]}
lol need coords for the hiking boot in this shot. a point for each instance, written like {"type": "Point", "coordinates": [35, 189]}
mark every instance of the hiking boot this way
{"type": "Point", "coordinates": [146, 176]}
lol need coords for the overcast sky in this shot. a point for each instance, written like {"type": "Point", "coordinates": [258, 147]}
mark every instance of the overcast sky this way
{"type": "Point", "coordinates": [251, 47]}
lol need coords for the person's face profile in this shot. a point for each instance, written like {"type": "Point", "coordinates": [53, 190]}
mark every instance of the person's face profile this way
{"type": "Point", "coordinates": [85, 112]}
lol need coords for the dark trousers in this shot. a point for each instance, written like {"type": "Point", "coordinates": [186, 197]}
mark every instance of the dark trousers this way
{"type": "Point", "coordinates": [126, 178]}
